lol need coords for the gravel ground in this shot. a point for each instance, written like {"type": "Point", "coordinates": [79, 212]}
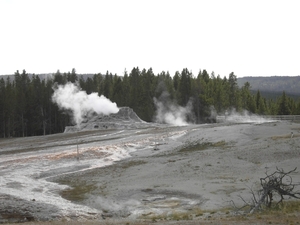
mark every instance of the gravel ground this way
{"type": "Point", "coordinates": [153, 173]}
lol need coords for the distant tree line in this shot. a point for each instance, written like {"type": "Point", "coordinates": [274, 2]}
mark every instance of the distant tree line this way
{"type": "Point", "coordinates": [26, 108]}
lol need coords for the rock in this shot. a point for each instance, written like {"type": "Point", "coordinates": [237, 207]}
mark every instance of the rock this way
{"type": "Point", "coordinates": [125, 118]}
{"type": "Point", "coordinates": [106, 215]}
{"type": "Point", "coordinates": [14, 209]}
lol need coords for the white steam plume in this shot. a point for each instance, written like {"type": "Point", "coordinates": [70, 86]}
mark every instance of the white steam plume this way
{"type": "Point", "coordinates": [70, 97]}
{"type": "Point", "coordinates": [170, 113]}
{"type": "Point", "coordinates": [245, 117]}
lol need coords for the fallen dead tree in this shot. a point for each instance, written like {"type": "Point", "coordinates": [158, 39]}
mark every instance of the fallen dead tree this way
{"type": "Point", "coordinates": [274, 187]}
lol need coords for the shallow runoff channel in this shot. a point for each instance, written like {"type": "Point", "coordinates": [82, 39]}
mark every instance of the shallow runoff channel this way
{"type": "Point", "coordinates": [27, 163]}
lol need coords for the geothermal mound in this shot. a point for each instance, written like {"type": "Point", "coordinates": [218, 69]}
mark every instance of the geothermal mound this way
{"type": "Point", "coordinates": [124, 119]}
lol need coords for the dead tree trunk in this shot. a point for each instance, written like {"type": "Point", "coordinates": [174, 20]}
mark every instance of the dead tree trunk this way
{"type": "Point", "coordinates": [279, 183]}
{"type": "Point", "coordinates": [273, 184]}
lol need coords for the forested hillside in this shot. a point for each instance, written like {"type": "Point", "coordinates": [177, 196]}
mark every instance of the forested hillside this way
{"type": "Point", "coordinates": [26, 108]}
{"type": "Point", "coordinates": [274, 84]}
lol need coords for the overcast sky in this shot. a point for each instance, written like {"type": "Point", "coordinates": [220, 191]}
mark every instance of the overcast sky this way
{"type": "Point", "coordinates": [247, 37]}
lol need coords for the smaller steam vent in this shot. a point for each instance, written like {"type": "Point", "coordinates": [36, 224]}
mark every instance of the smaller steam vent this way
{"type": "Point", "coordinates": [125, 118]}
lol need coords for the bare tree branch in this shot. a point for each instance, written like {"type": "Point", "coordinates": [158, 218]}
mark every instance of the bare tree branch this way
{"type": "Point", "coordinates": [278, 183]}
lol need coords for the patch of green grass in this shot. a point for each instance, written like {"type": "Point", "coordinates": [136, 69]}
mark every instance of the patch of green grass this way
{"type": "Point", "coordinates": [126, 165]}
{"type": "Point", "coordinates": [174, 216]}
{"type": "Point", "coordinates": [285, 207]}
{"type": "Point", "coordinates": [190, 147]}
{"type": "Point", "coordinates": [77, 193]}
{"type": "Point", "coordinates": [79, 187]}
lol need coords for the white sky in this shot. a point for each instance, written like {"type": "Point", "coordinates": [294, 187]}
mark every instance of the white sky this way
{"type": "Point", "coordinates": [247, 37]}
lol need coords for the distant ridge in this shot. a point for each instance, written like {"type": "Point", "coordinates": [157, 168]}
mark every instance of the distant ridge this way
{"type": "Point", "coordinates": [275, 84]}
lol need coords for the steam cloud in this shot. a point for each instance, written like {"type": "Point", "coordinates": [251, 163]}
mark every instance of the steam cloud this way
{"type": "Point", "coordinates": [245, 117]}
{"type": "Point", "coordinates": [70, 97]}
{"type": "Point", "coordinates": [169, 112]}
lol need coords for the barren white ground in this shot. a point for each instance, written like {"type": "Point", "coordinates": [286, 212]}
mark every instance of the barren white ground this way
{"type": "Point", "coordinates": [142, 172]}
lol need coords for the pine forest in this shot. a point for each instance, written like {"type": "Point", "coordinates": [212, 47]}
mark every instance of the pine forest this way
{"type": "Point", "coordinates": [26, 107]}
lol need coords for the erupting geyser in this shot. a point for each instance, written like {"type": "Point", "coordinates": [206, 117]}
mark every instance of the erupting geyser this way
{"type": "Point", "coordinates": [70, 97]}
{"type": "Point", "coordinates": [169, 112]}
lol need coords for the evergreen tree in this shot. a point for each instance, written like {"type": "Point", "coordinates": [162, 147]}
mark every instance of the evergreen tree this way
{"type": "Point", "coordinates": [247, 100]}
{"type": "Point", "coordinates": [234, 100]}
{"type": "Point", "coordinates": [72, 77]}
{"type": "Point", "coordinates": [22, 86]}
{"type": "Point", "coordinates": [219, 95]}
{"type": "Point", "coordinates": [35, 107]}
{"type": "Point", "coordinates": [98, 82]}
{"type": "Point", "coordinates": [2, 107]}
{"type": "Point", "coordinates": [164, 83]}
{"type": "Point", "coordinates": [26, 108]}
{"type": "Point", "coordinates": [107, 85]}
{"type": "Point", "coordinates": [126, 90]}
{"type": "Point", "coordinates": [260, 104]}
{"type": "Point", "coordinates": [49, 109]}
{"type": "Point", "coordinates": [117, 91]}
{"type": "Point", "coordinates": [10, 106]}
{"type": "Point", "coordinates": [176, 80]}
{"type": "Point", "coordinates": [59, 78]}
{"type": "Point", "coordinates": [184, 87]}
{"type": "Point", "coordinates": [146, 105]}
{"type": "Point", "coordinates": [82, 84]}
{"type": "Point", "coordinates": [202, 101]}
{"type": "Point", "coordinates": [283, 105]}
{"type": "Point", "coordinates": [135, 89]}
{"type": "Point", "coordinates": [90, 86]}
{"type": "Point", "coordinates": [196, 92]}
{"type": "Point", "coordinates": [297, 112]}
{"type": "Point", "coordinates": [205, 76]}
